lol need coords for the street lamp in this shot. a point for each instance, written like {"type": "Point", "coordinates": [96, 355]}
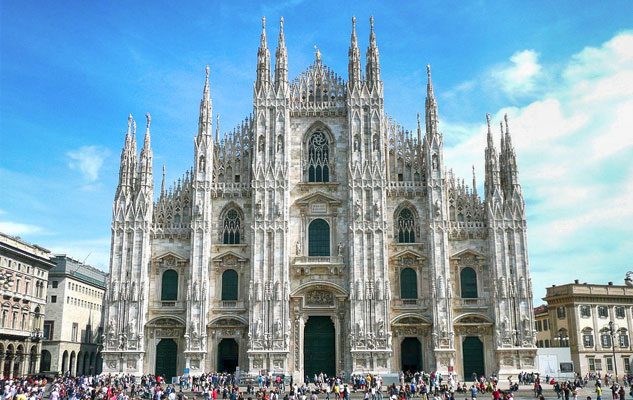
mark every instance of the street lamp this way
{"type": "Point", "coordinates": [612, 330]}
{"type": "Point", "coordinates": [562, 337]}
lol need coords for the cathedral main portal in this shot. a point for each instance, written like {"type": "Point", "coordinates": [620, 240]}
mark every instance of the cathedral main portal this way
{"type": "Point", "coordinates": [319, 347]}
{"type": "Point", "coordinates": [166, 358]}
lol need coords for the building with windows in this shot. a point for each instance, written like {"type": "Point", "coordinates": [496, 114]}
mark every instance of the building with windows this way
{"type": "Point", "coordinates": [595, 321]}
{"type": "Point", "coordinates": [541, 326]}
{"type": "Point", "coordinates": [74, 318]}
{"type": "Point", "coordinates": [318, 235]}
{"type": "Point", "coordinates": [23, 274]}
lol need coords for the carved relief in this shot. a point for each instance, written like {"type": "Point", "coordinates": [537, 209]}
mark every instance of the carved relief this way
{"type": "Point", "coordinates": [319, 298]}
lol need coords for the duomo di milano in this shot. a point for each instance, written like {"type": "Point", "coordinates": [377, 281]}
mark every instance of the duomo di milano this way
{"type": "Point", "coordinates": [318, 236]}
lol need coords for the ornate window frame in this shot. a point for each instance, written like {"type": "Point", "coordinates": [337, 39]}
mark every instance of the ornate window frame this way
{"type": "Point", "coordinates": [228, 209]}
{"type": "Point", "coordinates": [414, 229]}
{"type": "Point", "coordinates": [318, 206]}
{"type": "Point", "coordinates": [585, 311]}
{"type": "Point", "coordinates": [308, 158]}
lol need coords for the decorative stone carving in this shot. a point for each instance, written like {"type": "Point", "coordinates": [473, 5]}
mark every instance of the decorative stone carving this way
{"type": "Point", "coordinates": [319, 298]}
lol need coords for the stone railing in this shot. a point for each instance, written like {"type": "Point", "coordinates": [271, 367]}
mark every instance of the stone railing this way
{"type": "Point", "coordinates": [318, 260]}
{"type": "Point", "coordinates": [479, 302]}
{"type": "Point", "coordinates": [410, 303]}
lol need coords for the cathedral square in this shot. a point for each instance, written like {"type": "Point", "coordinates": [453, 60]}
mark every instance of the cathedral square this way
{"type": "Point", "coordinates": [319, 236]}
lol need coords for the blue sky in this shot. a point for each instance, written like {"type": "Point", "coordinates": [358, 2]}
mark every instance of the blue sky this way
{"type": "Point", "coordinates": [71, 72]}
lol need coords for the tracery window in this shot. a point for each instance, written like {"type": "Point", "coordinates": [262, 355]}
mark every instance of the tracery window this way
{"type": "Point", "coordinates": [231, 227]}
{"type": "Point", "coordinates": [318, 157]}
{"type": "Point", "coordinates": [406, 226]}
{"type": "Point", "coordinates": [468, 280]}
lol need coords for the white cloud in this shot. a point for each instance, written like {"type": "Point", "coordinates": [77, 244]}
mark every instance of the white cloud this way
{"type": "Point", "coordinates": [88, 160]}
{"type": "Point", "coordinates": [18, 229]}
{"type": "Point", "coordinates": [574, 148]}
{"type": "Point", "coordinates": [518, 77]}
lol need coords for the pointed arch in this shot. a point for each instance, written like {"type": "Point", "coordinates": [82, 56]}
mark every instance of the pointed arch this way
{"type": "Point", "coordinates": [232, 224]}
{"type": "Point", "coordinates": [406, 224]}
{"type": "Point", "coordinates": [319, 148]}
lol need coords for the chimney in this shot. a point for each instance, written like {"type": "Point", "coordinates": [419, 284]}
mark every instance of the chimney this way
{"type": "Point", "coordinates": [576, 281]}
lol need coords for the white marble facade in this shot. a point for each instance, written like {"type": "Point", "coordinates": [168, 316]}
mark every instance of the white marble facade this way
{"type": "Point", "coordinates": [319, 205]}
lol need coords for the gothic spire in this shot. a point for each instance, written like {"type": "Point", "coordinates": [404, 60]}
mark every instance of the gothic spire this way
{"type": "Point", "coordinates": [263, 60]}
{"type": "Point", "coordinates": [147, 140]}
{"type": "Point", "coordinates": [474, 183]}
{"type": "Point", "coordinates": [489, 135]}
{"type": "Point", "coordinates": [353, 69]}
{"type": "Point", "coordinates": [491, 181]}
{"type": "Point", "coordinates": [430, 106]}
{"type": "Point", "coordinates": [206, 108]}
{"type": "Point", "coordinates": [372, 69]}
{"type": "Point", "coordinates": [281, 59]}
{"type": "Point", "coordinates": [217, 129]}
{"type": "Point", "coordinates": [419, 132]}
{"type": "Point", "coordinates": [127, 168]}
{"type": "Point", "coordinates": [145, 177]}
{"type": "Point", "coordinates": [510, 167]}
{"type": "Point", "coordinates": [128, 133]}
{"type": "Point", "coordinates": [162, 183]}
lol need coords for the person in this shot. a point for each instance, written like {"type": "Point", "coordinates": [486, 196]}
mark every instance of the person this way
{"type": "Point", "coordinates": [598, 392]}
{"type": "Point", "coordinates": [473, 392]}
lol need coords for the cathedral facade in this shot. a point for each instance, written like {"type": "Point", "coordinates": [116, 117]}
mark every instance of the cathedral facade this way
{"type": "Point", "coordinates": [318, 236]}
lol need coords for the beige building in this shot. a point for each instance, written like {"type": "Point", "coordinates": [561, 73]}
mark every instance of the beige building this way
{"type": "Point", "coordinates": [541, 326]}
{"type": "Point", "coordinates": [23, 273]}
{"type": "Point", "coordinates": [595, 321]}
{"type": "Point", "coordinates": [73, 325]}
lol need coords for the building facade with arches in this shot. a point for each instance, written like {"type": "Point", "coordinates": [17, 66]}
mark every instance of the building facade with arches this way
{"type": "Point", "coordinates": [318, 235]}
{"type": "Point", "coordinates": [24, 269]}
{"type": "Point", "coordinates": [73, 327]}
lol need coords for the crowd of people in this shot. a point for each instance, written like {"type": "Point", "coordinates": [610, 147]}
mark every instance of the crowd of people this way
{"type": "Point", "coordinates": [214, 386]}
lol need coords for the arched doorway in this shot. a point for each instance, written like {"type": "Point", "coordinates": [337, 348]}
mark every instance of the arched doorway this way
{"type": "Point", "coordinates": [86, 364]}
{"type": "Point", "coordinates": [65, 361]}
{"type": "Point", "coordinates": [45, 363]}
{"type": "Point", "coordinates": [228, 355]}
{"type": "Point", "coordinates": [411, 355]}
{"type": "Point", "coordinates": [166, 352]}
{"type": "Point", "coordinates": [71, 365]}
{"type": "Point", "coordinates": [93, 367]}
{"type": "Point", "coordinates": [32, 360]}
{"type": "Point", "coordinates": [7, 361]}
{"type": "Point", "coordinates": [99, 364]}
{"type": "Point", "coordinates": [473, 357]}
{"type": "Point", "coordinates": [319, 347]}
{"type": "Point", "coordinates": [19, 359]}
{"type": "Point", "coordinates": [80, 360]}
